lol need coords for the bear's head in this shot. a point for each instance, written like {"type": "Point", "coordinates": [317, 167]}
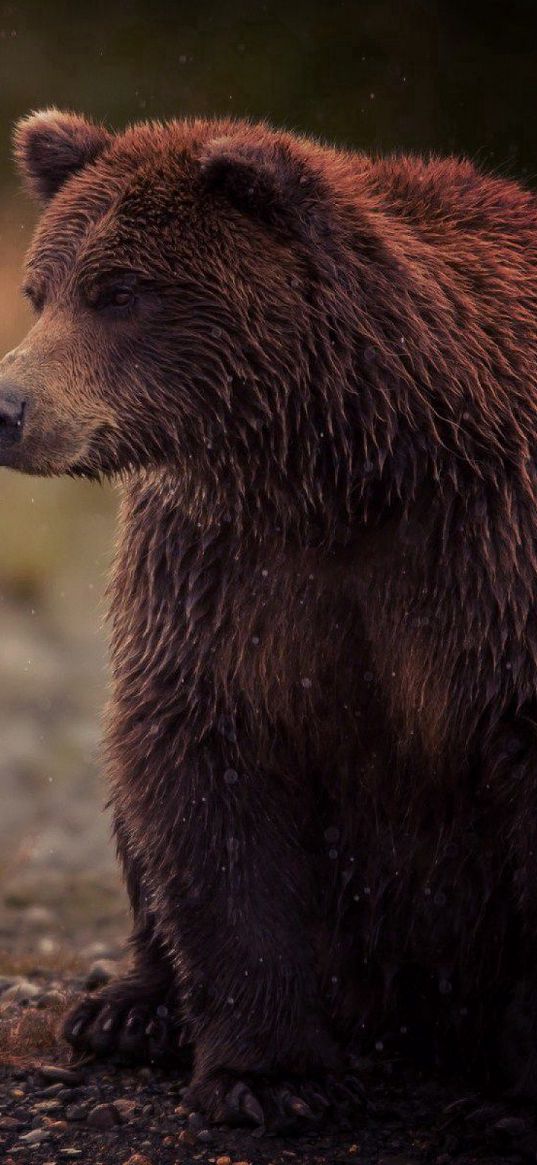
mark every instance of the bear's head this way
{"type": "Point", "coordinates": [213, 299]}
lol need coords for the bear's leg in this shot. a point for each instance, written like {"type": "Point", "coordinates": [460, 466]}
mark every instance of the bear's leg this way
{"type": "Point", "coordinates": [136, 1015]}
{"type": "Point", "coordinates": [509, 767]}
{"type": "Point", "coordinates": [232, 886]}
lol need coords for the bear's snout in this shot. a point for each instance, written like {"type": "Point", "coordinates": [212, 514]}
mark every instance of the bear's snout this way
{"type": "Point", "coordinates": [12, 411]}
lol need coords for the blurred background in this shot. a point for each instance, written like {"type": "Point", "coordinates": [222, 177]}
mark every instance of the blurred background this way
{"type": "Point", "coordinates": [441, 75]}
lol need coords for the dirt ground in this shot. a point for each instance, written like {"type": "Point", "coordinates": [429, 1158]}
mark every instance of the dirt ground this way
{"type": "Point", "coordinates": [64, 920]}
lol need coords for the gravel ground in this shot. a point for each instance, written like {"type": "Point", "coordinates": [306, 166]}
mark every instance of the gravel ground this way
{"type": "Point", "coordinates": [52, 1110]}
{"type": "Point", "coordinates": [64, 920]}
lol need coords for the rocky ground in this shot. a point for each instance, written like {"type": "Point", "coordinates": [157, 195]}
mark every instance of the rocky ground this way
{"type": "Point", "coordinates": [53, 1110]}
{"type": "Point", "coordinates": [63, 922]}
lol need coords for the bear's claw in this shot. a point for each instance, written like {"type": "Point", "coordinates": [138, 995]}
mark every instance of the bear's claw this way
{"type": "Point", "coordinates": [293, 1106]}
{"type": "Point", "coordinates": [120, 1021]}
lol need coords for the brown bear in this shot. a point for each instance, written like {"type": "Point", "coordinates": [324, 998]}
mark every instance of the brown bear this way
{"type": "Point", "coordinates": [315, 375]}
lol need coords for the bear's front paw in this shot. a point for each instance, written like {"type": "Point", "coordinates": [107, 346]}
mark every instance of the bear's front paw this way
{"type": "Point", "coordinates": [130, 1020]}
{"type": "Point", "coordinates": [274, 1105]}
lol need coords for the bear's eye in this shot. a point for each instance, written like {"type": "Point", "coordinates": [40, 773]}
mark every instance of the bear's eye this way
{"type": "Point", "coordinates": [35, 295]}
{"type": "Point", "coordinates": [121, 297]}
{"type": "Point", "coordinates": [111, 296]}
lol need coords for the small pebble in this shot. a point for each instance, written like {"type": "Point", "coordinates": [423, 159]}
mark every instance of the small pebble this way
{"type": "Point", "coordinates": [104, 1116]}
{"type": "Point", "coordinates": [21, 992]}
{"type": "Point", "coordinates": [76, 1112]}
{"type": "Point", "coordinates": [35, 1136]}
{"type": "Point", "coordinates": [7, 981]}
{"type": "Point", "coordinates": [68, 1076]}
{"type": "Point", "coordinates": [99, 974]}
{"type": "Point", "coordinates": [187, 1138]}
{"type": "Point", "coordinates": [57, 1126]}
{"type": "Point", "coordinates": [138, 1159]}
{"type": "Point", "coordinates": [37, 916]}
{"type": "Point", "coordinates": [52, 1090]}
{"type": "Point", "coordinates": [98, 950]}
{"type": "Point", "coordinates": [125, 1107]}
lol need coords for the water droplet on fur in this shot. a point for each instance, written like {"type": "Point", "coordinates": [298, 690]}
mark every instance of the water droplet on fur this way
{"type": "Point", "coordinates": [445, 987]}
{"type": "Point", "coordinates": [332, 833]}
{"type": "Point", "coordinates": [231, 776]}
{"type": "Point", "coordinates": [306, 682]}
{"type": "Point", "coordinates": [332, 854]}
{"type": "Point", "coordinates": [227, 728]}
{"type": "Point", "coordinates": [379, 1046]}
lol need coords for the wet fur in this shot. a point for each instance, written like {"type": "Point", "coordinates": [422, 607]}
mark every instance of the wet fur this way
{"type": "Point", "coordinates": [321, 736]}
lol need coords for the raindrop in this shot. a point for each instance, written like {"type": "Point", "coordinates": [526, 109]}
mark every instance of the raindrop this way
{"type": "Point", "coordinates": [332, 833]}
{"type": "Point", "coordinates": [231, 776]}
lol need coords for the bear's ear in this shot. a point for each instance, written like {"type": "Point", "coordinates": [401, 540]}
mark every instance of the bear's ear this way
{"type": "Point", "coordinates": [51, 145]}
{"type": "Point", "coordinates": [266, 181]}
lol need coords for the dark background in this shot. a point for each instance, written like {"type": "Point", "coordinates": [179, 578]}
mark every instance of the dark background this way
{"type": "Point", "coordinates": [417, 74]}
{"type": "Point", "coordinates": [440, 75]}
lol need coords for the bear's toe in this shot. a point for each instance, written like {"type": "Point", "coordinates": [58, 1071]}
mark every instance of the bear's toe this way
{"type": "Point", "coordinates": [113, 1023]}
{"type": "Point", "coordinates": [276, 1106]}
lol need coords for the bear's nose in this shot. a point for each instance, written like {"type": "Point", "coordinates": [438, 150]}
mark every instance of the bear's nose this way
{"type": "Point", "coordinates": [12, 409]}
